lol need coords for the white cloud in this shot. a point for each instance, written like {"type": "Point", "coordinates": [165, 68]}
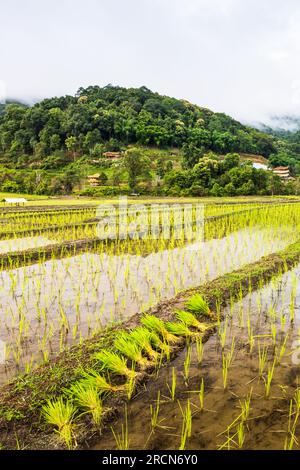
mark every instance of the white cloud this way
{"type": "Point", "coordinates": [239, 57]}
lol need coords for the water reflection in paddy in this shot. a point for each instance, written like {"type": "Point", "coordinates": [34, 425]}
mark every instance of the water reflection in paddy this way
{"type": "Point", "coordinates": [45, 306]}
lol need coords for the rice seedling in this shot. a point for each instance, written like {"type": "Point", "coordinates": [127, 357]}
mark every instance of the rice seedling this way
{"type": "Point", "coordinates": [130, 387]}
{"type": "Point", "coordinates": [274, 333]}
{"type": "Point", "coordinates": [122, 439]}
{"type": "Point", "coordinates": [251, 339]}
{"type": "Point", "coordinates": [114, 363]}
{"type": "Point", "coordinates": [144, 339]}
{"type": "Point", "coordinates": [92, 378]}
{"type": "Point", "coordinates": [172, 389]}
{"type": "Point", "coordinates": [184, 435]}
{"type": "Point", "coordinates": [190, 320]}
{"type": "Point", "coordinates": [61, 413]}
{"type": "Point", "coordinates": [240, 434]}
{"type": "Point", "coordinates": [225, 368]}
{"type": "Point", "coordinates": [164, 348]}
{"type": "Point", "coordinates": [87, 397]}
{"type": "Point", "coordinates": [222, 332]}
{"type": "Point", "coordinates": [297, 400]}
{"type": "Point", "coordinates": [245, 407]}
{"type": "Point", "coordinates": [186, 429]}
{"type": "Point", "coordinates": [282, 349]}
{"type": "Point", "coordinates": [179, 329]}
{"type": "Point", "coordinates": [199, 349]}
{"type": "Point", "coordinates": [154, 412]}
{"type": "Point", "coordinates": [227, 359]}
{"type": "Point", "coordinates": [124, 344]}
{"type": "Point", "coordinates": [262, 359]}
{"type": "Point", "coordinates": [282, 321]}
{"type": "Point", "coordinates": [269, 379]}
{"type": "Point", "coordinates": [196, 304]}
{"type": "Point", "coordinates": [187, 363]}
{"type": "Point", "coordinates": [201, 395]}
{"type": "Point", "coordinates": [158, 326]}
{"type": "Point", "coordinates": [291, 439]}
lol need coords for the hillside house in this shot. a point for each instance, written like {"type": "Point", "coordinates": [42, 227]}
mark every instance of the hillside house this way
{"type": "Point", "coordinates": [283, 172]}
{"type": "Point", "coordinates": [18, 201]}
{"type": "Point", "coordinates": [94, 180]}
{"type": "Point", "coordinates": [112, 155]}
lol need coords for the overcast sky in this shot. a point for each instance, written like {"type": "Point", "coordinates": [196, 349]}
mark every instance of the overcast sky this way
{"type": "Point", "coordinates": [241, 57]}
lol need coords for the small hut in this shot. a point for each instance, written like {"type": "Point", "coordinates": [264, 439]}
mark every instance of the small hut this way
{"type": "Point", "coordinates": [94, 180]}
{"type": "Point", "coordinates": [112, 155]}
{"type": "Point", "coordinates": [283, 172]}
{"type": "Point", "coordinates": [15, 200]}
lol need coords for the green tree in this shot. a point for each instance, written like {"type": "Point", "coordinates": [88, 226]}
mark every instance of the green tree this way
{"type": "Point", "coordinates": [103, 178]}
{"type": "Point", "coordinates": [137, 165]}
{"type": "Point", "coordinates": [71, 144]}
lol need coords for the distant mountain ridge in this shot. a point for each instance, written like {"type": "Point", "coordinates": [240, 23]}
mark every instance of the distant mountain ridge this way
{"type": "Point", "coordinates": [281, 126]}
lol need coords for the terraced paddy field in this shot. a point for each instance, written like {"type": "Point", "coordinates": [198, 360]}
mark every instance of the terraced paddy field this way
{"type": "Point", "coordinates": [192, 340]}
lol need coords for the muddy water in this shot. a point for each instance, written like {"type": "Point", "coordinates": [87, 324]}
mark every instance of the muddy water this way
{"type": "Point", "coordinates": [20, 244]}
{"type": "Point", "coordinates": [267, 424]}
{"type": "Point", "coordinates": [45, 307]}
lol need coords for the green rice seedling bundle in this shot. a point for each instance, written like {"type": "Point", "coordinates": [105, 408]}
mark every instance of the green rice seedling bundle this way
{"type": "Point", "coordinates": [156, 324]}
{"type": "Point", "coordinates": [93, 379]}
{"type": "Point", "coordinates": [179, 329]}
{"type": "Point", "coordinates": [144, 339]}
{"type": "Point", "coordinates": [190, 320]}
{"type": "Point", "coordinates": [87, 397]}
{"type": "Point", "coordinates": [61, 413]}
{"type": "Point", "coordinates": [162, 346]}
{"type": "Point", "coordinates": [196, 304]}
{"type": "Point", "coordinates": [124, 344]}
{"type": "Point", "coordinates": [114, 363]}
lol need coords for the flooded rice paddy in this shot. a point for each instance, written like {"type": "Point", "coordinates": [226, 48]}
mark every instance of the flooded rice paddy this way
{"type": "Point", "coordinates": [254, 405]}
{"type": "Point", "coordinates": [50, 305]}
{"type": "Point", "coordinates": [21, 244]}
{"type": "Point", "coordinates": [238, 389]}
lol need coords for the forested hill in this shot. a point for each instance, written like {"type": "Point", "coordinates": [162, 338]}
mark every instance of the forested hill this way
{"type": "Point", "coordinates": [110, 118]}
